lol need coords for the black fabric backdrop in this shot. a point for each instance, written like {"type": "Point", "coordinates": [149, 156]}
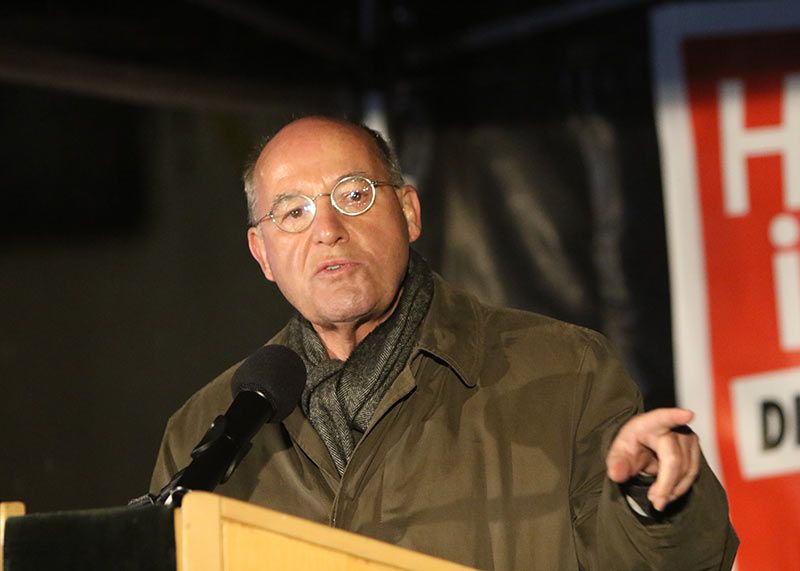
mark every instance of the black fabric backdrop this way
{"type": "Point", "coordinates": [541, 186]}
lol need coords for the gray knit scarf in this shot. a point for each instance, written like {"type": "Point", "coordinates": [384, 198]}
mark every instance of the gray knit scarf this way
{"type": "Point", "coordinates": [341, 396]}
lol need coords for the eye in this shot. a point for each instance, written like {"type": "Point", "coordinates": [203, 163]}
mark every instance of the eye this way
{"type": "Point", "coordinates": [290, 209]}
{"type": "Point", "coordinates": [355, 195]}
{"type": "Point", "coordinates": [295, 212]}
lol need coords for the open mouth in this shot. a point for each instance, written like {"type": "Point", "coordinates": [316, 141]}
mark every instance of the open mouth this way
{"type": "Point", "coordinates": [334, 266]}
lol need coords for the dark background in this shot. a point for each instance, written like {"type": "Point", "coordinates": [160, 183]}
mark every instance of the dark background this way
{"type": "Point", "coordinates": [125, 280]}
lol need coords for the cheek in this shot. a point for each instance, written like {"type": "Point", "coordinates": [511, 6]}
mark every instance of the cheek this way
{"type": "Point", "coordinates": [388, 241]}
{"type": "Point", "coordinates": [391, 254]}
{"type": "Point", "coordinates": [285, 261]}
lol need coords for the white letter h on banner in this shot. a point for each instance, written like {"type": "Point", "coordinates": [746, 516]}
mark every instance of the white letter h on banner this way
{"type": "Point", "coordinates": [739, 142]}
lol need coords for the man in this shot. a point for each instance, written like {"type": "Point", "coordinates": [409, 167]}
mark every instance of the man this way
{"type": "Point", "coordinates": [496, 438]}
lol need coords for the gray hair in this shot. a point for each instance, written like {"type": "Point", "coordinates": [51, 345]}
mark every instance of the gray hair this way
{"type": "Point", "coordinates": [386, 154]}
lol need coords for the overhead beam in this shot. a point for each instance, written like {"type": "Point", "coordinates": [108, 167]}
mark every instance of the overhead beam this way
{"type": "Point", "coordinates": [143, 85]}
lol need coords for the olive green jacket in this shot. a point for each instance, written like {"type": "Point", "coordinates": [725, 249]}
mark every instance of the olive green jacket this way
{"type": "Point", "coordinates": [487, 450]}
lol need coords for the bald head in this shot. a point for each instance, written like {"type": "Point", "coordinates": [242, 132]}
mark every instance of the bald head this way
{"type": "Point", "coordinates": [302, 128]}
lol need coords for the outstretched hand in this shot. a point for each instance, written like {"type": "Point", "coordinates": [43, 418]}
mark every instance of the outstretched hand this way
{"type": "Point", "coordinates": [655, 443]}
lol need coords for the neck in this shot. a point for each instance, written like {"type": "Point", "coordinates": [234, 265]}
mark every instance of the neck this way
{"type": "Point", "coordinates": [339, 341]}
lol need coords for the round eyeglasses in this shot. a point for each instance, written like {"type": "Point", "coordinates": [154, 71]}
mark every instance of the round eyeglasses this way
{"type": "Point", "coordinates": [352, 195]}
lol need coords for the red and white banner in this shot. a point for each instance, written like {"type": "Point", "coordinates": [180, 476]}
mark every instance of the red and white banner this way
{"type": "Point", "coordinates": [727, 78]}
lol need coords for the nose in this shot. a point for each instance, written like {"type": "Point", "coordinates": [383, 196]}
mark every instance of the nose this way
{"type": "Point", "coordinates": [329, 226]}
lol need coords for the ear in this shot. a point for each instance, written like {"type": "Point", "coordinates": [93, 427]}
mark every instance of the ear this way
{"type": "Point", "coordinates": [409, 202]}
{"type": "Point", "coordinates": [255, 240]}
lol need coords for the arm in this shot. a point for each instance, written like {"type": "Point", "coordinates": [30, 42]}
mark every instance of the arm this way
{"type": "Point", "coordinates": [693, 533]}
{"type": "Point", "coordinates": [165, 466]}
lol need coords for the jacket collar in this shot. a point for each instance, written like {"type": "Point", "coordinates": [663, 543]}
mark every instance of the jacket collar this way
{"type": "Point", "coordinates": [451, 332]}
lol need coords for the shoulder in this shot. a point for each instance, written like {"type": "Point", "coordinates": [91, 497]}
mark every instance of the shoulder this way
{"type": "Point", "coordinates": [557, 376]}
{"type": "Point", "coordinates": [187, 425]}
{"type": "Point", "coordinates": [216, 396]}
{"type": "Point", "coordinates": [541, 359]}
{"type": "Point", "coordinates": [479, 334]}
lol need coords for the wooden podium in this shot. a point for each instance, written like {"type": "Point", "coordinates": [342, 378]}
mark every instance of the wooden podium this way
{"type": "Point", "coordinates": [213, 533]}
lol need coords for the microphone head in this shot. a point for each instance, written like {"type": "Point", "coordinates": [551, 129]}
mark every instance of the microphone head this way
{"type": "Point", "coordinates": [275, 371]}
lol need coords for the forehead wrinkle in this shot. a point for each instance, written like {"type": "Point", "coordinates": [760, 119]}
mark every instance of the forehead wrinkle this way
{"type": "Point", "coordinates": [283, 195]}
{"type": "Point", "coordinates": [296, 147]}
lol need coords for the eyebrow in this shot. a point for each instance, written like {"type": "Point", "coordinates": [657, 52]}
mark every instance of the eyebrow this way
{"type": "Point", "coordinates": [296, 192]}
{"type": "Point", "coordinates": [282, 195]}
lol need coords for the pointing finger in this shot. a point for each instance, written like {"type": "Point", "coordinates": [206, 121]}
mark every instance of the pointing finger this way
{"type": "Point", "coordinates": [691, 446]}
{"type": "Point", "coordinates": [671, 469]}
{"type": "Point", "coordinates": [659, 421]}
{"type": "Point", "coordinates": [618, 466]}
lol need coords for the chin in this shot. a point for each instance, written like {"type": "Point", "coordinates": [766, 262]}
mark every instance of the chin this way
{"type": "Point", "coordinates": [352, 310]}
{"type": "Point", "coordinates": [334, 315]}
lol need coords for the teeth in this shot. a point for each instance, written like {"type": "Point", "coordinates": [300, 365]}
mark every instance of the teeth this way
{"type": "Point", "coordinates": [334, 267]}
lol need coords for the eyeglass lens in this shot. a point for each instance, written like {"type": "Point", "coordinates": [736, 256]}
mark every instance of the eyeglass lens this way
{"type": "Point", "coordinates": [352, 195]}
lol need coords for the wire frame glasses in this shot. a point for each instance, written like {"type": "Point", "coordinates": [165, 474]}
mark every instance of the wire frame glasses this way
{"type": "Point", "coordinates": [352, 196]}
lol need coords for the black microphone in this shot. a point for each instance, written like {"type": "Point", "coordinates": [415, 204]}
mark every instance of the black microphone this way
{"type": "Point", "coordinates": [266, 388]}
